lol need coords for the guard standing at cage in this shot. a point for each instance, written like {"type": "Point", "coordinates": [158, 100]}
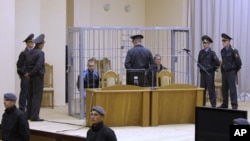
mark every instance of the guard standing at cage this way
{"type": "Point", "coordinates": [138, 57]}
{"type": "Point", "coordinates": [231, 64]}
{"type": "Point", "coordinates": [24, 82]}
{"type": "Point", "coordinates": [210, 62]}
{"type": "Point", "coordinates": [36, 70]}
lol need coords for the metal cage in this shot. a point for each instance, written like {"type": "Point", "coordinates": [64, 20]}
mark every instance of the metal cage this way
{"type": "Point", "coordinates": [113, 43]}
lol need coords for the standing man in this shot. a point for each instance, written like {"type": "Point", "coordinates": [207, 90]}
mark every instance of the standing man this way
{"type": "Point", "coordinates": [99, 131]}
{"type": "Point", "coordinates": [231, 64]}
{"type": "Point", "coordinates": [156, 68]}
{"type": "Point", "coordinates": [24, 85]}
{"type": "Point", "coordinates": [139, 57]}
{"type": "Point", "coordinates": [35, 73]}
{"type": "Point", "coordinates": [15, 126]}
{"type": "Point", "coordinates": [210, 62]}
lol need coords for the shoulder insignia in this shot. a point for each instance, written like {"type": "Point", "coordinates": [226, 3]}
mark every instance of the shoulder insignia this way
{"type": "Point", "coordinates": [236, 55]}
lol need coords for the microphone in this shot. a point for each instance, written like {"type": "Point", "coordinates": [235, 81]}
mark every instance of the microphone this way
{"type": "Point", "coordinates": [187, 50]}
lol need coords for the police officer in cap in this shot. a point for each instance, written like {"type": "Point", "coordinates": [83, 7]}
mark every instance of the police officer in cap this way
{"type": "Point", "coordinates": [21, 71]}
{"type": "Point", "coordinates": [35, 73]}
{"type": "Point", "coordinates": [138, 57]}
{"type": "Point", "coordinates": [231, 64]}
{"type": "Point", "coordinates": [209, 62]}
{"type": "Point", "coordinates": [99, 131]}
{"type": "Point", "coordinates": [14, 125]}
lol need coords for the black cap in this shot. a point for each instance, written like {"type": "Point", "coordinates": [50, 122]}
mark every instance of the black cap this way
{"type": "Point", "coordinates": [10, 96]}
{"type": "Point", "coordinates": [206, 38]}
{"type": "Point", "coordinates": [240, 121]}
{"type": "Point", "coordinates": [225, 36]}
{"type": "Point", "coordinates": [30, 37]}
{"type": "Point", "coordinates": [39, 39]}
{"type": "Point", "coordinates": [98, 109]}
{"type": "Point", "coordinates": [139, 36]}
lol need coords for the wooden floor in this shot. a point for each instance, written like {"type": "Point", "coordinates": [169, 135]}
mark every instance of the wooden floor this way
{"type": "Point", "coordinates": [57, 120]}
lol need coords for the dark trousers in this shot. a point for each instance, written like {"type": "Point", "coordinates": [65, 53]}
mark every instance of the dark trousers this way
{"type": "Point", "coordinates": [207, 82]}
{"type": "Point", "coordinates": [228, 84]}
{"type": "Point", "coordinates": [23, 95]}
{"type": "Point", "coordinates": [35, 97]}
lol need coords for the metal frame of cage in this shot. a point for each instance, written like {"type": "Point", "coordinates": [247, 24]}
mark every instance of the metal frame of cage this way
{"type": "Point", "coordinates": [113, 43]}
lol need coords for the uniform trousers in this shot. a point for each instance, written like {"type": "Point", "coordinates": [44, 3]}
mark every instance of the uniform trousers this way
{"type": "Point", "coordinates": [35, 97]}
{"type": "Point", "coordinates": [23, 95]}
{"type": "Point", "coordinates": [207, 82]}
{"type": "Point", "coordinates": [228, 85]}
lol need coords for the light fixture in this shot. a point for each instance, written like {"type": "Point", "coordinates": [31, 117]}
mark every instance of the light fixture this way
{"type": "Point", "coordinates": [106, 6]}
{"type": "Point", "coordinates": [127, 8]}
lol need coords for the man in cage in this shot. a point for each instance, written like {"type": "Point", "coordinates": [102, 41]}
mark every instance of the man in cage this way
{"type": "Point", "coordinates": [139, 57]}
{"type": "Point", "coordinates": [90, 76]}
{"type": "Point", "coordinates": [156, 68]}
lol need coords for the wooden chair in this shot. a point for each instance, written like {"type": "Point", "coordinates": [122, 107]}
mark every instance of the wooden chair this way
{"type": "Point", "coordinates": [48, 82]}
{"type": "Point", "coordinates": [218, 84]}
{"type": "Point", "coordinates": [164, 77]}
{"type": "Point", "coordinates": [110, 78]}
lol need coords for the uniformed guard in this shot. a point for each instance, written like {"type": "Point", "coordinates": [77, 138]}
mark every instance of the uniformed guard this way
{"type": "Point", "coordinates": [36, 70]}
{"type": "Point", "coordinates": [231, 64]}
{"type": "Point", "coordinates": [139, 57]}
{"type": "Point", "coordinates": [209, 62]}
{"type": "Point", "coordinates": [21, 71]}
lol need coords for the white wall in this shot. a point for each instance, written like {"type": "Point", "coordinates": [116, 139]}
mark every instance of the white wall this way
{"type": "Point", "coordinates": [53, 25]}
{"type": "Point", "coordinates": [7, 53]}
{"type": "Point", "coordinates": [27, 21]}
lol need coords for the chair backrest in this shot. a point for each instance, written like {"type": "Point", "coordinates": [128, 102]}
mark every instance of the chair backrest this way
{"type": "Point", "coordinates": [48, 76]}
{"type": "Point", "coordinates": [110, 78]}
{"type": "Point", "coordinates": [164, 77]}
{"type": "Point", "coordinates": [103, 65]}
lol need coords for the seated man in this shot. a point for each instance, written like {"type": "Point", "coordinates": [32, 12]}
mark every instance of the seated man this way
{"type": "Point", "coordinates": [157, 67]}
{"type": "Point", "coordinates": [90, 76]}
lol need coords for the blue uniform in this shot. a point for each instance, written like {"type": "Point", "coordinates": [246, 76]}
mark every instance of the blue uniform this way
{"type": "Point", "coordinates": [36, 70]}
{"type": "Point", "coordinates": [24, 85]}
{"type": "Point", "coordinates": [210, 62]}
{"type": "Point", "coordinates": [231, 64]}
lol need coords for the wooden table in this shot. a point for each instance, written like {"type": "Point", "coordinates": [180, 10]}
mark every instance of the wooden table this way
{"type": "Point", "coordinates": [125, 105]}
{"type": "Point", "coordinates": [174, 104]}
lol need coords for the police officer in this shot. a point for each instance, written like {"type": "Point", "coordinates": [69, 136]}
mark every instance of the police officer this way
{"type": "Point", "coordinates": [231, 64]}
{"type": "Point", "coordinates": [208, 62]}
{"type": "Point", "coordinates": [138, 57]}
{"type": "Point", "coordinates": [14, 125]}
{"type": "Point", "coordinates": [99, 131]}
{"type": "Point", "coordinates": [35, 73]}
{"type": "Point", "coordinates": [24, 82]}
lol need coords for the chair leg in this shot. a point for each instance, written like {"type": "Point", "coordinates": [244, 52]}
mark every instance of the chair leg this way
{"type": "Point", "coordinates": [52, 100]}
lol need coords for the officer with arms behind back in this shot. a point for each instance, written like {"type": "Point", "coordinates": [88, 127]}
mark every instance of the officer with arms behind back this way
{"type": "Point", "coordinates": [22, 71]}
{"type": "Point", "coordinates": [36, 70]}
{"type": "Point", "coordinates": [210, 62]}
{"type": "Point", "coordinates": [231, 64]}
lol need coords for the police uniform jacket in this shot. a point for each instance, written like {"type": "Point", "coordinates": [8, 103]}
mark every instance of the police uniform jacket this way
{"type": "Point", "coordinates": [138, 58]}
{"type": "Point", "coordinates": [36, 62]}
{"type": "Point", "coordinates": [100, 132]}
{"type": "Point", "coordinates": [21, 62]}
{"type": "Point", "coordinates": [15, 126]}
{"type": "Point", "coordinates": [208, 60]}
{"type": "Point", "coordinates": [230, 59]}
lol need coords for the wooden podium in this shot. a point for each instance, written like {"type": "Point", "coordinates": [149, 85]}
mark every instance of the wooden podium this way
{"type": "Point", "coordinates": [175, 104]}
{"type": "Point", "coordinates": [125, 105]}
